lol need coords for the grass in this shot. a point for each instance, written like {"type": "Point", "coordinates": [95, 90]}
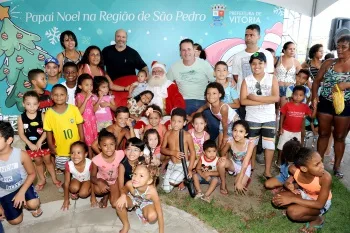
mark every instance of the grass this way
{"type": "Point", "coordinates": [265, 218]}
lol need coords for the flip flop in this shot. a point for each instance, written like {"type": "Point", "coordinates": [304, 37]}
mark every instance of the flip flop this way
{"type": "Point", "coordinates": [39, 187]}
{"type": "Point", "coordinates": [36, 213]}
{"type": "Point", "coordinates": [307, 227]}
{"type": "Point", "coordinates": [206, 199]}
{"type": "Point", "coordinates": [224, 192]}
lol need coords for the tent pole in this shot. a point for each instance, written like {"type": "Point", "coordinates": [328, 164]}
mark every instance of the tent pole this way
{"type": "Point", "coordinates": [313, 12]}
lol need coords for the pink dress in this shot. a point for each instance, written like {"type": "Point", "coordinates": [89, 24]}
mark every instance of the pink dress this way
{"type": "Point", "coordinates": [89, 126]}
{"type": "Point", "coordinates": [108, 171]}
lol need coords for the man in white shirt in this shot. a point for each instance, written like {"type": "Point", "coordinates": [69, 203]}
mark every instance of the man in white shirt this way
{"type": "Point", "coordinates": [192, 76]}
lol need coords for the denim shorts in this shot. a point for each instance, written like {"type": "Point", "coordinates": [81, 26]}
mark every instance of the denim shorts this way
{"type": "Point", "coordinates": [283, 91]}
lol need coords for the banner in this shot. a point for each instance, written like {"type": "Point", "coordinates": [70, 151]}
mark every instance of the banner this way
{"type": "Point", "coordinates": [30, 32]}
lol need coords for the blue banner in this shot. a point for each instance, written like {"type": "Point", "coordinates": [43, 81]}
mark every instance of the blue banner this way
{"type": "Point", "coordinates": [30, 32]}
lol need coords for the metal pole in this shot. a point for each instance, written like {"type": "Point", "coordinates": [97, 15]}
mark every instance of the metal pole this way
{"type": "Point", "coordinates": [313, 11]}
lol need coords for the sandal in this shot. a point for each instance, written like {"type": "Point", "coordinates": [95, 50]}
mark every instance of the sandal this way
{"type": "Point", "coordinates": [199, 195]}
{"type": "Point", "coordinates": [59, 186]}
{"type": "Point", "coordinates": [206, 199]}
{"type": "Point", "coordinates": [36, 213]}
{"type": "Point", "coordinates": [59, 172]}
{"type": "Point", "coordinates": [338, 174]}
{"type": "Point", "coordinates": [307, 228]}
{"type": "Point", "coordinates": [40, 187]}
{"type": "Point", "coordinates": [267, 177]}
{"type": "Point", "coordinates": [181, 186]}
{"type": "Point", "coordinates": [224, 192]}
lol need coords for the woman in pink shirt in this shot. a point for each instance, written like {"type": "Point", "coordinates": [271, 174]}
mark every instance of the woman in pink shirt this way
{"type": "Point", "coordinates": [104, 172]}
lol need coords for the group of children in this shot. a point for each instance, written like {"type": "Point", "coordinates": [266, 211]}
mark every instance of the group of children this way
{"type": "Point", "coordinates": [125, 168]}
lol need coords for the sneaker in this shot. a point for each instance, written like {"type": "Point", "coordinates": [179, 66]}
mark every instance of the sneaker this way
{"type": "Point", "coordinates": [277, 165]}
{"type": "Point", "coordinates": [260, 159]}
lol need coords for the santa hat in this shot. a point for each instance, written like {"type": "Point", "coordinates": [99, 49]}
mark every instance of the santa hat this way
{"type": "Point", "coordinates": [159, 65]}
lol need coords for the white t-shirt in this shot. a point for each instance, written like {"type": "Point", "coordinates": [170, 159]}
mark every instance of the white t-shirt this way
{"type": "Point", "coordinates": [241, 66]}
{"type": "Point", "coordinates": [191, 80]}
{"type": "Point", "coordinates": [71, 93]}
{"type": "Point", "coordinates": [265, 112]}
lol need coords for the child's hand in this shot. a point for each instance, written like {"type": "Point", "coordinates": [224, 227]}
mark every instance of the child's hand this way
{"type": "Point", "coordinates": [240, 189]}
{"type": "Point", "coordinates": [222, 160]}
{"type": "Point", "coordinates": [281, 131]}
{"type": "Point", "coordinates": [38, 145]}
{"type": "Point", "coordinates": [121, 202]}
{"type": "Point", "coordinates": [177, 154]}
{"type": "Point", "coordinates": [189, 118]}
{"type": "Point", "coordinates": [65, 205]}
{"type": "Point", "coordinates": [291, 187]}
{"type": "Point", "coordinates": [100, 94]}
{"type": "Point", "coordinates": [32, 147]}
{"type": "Point", "coordinates": [104, 104]}
{"type": "Point", "coordinates": [93, 202]}
{"type": "Point", "coordinates": [189, 174]}
{"type": "Point", "coordinates": [206, 175]}
{"type": "Point", "coordinates": [141, 130]}
{"type": "Point", "coordinates": [103, 187]}
{"type": "Point", "coordinates": [88, 95]}
{"type": "Point", "coordinates": [53, 150]}
{"type": "Point", "coordinates": [19, 200]}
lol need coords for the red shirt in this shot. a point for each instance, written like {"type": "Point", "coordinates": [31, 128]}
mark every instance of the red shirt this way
{"type": "Point", "coordinates": [294, 115]}
{"type": "Point", "coordinates": [45, 101]}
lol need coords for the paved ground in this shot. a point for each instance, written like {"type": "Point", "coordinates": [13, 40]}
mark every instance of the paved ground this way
{"type": "Point", "coordinates": [81, 218]}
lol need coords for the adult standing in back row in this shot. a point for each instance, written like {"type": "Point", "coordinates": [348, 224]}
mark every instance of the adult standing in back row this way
{"type": "Point", "coordinates": [192, 76]}
{"type": "Point", "coordinates": [121, 60]}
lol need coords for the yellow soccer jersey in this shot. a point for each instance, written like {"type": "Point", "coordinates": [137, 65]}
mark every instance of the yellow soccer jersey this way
{"type": "Point", "coordinates": [64, 128]}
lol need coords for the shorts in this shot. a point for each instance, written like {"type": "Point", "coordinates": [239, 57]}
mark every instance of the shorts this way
{"type": "Point", "coordinates": [138, 204]}
{"type": "Point", "coordinates": [308, 128]}
{"type": "Point", "coordinates": [283, 91]}
{"type": "Point", "coordinates": [267, 130]}
{"type": "Point", "coordinates": [38, 153]}
{"type": "Point", "coordinates": [174, 175]}
{"type": "Point", "coordinates": [325, 106]}
{"type": "Point", "coordinates": [204, 181]}
{"type": "Point", "coordinates": [103, 124]}
{"type": "Point", "coordinates": [284, 173]}
{"type": "Point", "coordinates": [6, 202]}
{"type": "Point", "coordinates": [61, 161]}
{"type": "Point", "coordinates": [238, 169]}
{"type": "Point", "coordinates": [286, 136]}
{"type": "Point", "coordinates": [229, 128]}
{"type": "Point", "coordinates": [307, 197]}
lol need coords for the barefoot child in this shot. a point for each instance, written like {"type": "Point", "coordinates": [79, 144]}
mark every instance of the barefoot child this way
{"type": "Point", "coordinates": [133, 150]}
{"type": "Point", "coordinates": [85, 101]}
{"type": "Point", "coordinates": [240, 164]}
{"type": "Point", "coordinates": [152, 149]}
{"type": "Point", "coordinates": [288, 153]}
{"type": "Point", "coordinates": [79, 169]}
{"type": "Point", "coordinates": [198, 133]}
{"type": "Point", "coordinates": [141, 194]}
{"type": "Point", "coordinates": [63, 126]}
{"type": "Point", "coordinates": [17, 190]}
{"type": "Point", "coordinates": [104, 172]}
{"type": "Point", "coordinates": [170, 147]}
{"type": "Point", "coordinates": [207, 171]}
{"type": "Point", "coordinates": [313, 198]}
{"type": "Point", "coordinates": [30, 130]}
{"type": "Point", "coordinates": [122, 128]}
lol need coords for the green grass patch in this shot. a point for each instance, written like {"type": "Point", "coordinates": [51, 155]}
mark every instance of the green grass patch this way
{"type": "Point", "coordinates": [265, 218]}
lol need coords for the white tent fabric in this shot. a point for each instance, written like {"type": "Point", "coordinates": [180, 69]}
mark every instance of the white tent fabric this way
{"type": "Point", "coordinates": [304, 7]}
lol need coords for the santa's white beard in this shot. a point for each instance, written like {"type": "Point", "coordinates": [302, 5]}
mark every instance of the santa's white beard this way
{"type": "Point", "coordinates": [156, 80]}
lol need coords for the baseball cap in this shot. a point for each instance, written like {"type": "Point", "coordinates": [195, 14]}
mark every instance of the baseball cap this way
{"type": "Point", "coordinates": [51, 60]}
{"type": "Point", "coordinates": [258, 55]}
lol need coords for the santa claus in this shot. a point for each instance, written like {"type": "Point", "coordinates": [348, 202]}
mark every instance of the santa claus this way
{"type": "Point", "coordinates": [166, 93]}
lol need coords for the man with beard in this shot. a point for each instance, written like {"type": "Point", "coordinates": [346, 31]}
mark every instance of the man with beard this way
{"type": "Point", "coordinates": [121, 60]}
{"type": "Point", "coordinates": [166, 93]}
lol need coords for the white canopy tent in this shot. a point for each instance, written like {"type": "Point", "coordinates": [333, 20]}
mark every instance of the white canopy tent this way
{"type": "Point", "coordinates": [309, 8]}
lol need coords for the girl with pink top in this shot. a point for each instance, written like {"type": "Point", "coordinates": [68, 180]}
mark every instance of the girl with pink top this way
{"type": "Point", "coordinates": [104, 172]}
{"type": "Point", "coordinates": [105, 103]}
{"type": "Point", "coordinates": [85, 101]}
{"type": "Point", "coordinates": [154, 115]}
{"type": "Point", "coordinates": [91, 62]}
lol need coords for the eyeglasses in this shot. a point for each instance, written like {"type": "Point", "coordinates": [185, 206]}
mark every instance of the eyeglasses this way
{"type": "Point", "coordinates": [257, 86]}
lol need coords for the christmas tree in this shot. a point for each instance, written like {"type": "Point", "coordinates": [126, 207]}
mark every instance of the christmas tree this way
{"type": "Point", "coordinates": [21, 55]}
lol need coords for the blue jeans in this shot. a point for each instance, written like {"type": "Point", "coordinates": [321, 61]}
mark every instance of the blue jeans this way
{"type": "Point", "coordinates": [213, 123]}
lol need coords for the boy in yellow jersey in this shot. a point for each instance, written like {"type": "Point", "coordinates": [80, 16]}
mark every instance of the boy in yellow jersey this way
{"type": "Point", "coordinates": [63, 124]}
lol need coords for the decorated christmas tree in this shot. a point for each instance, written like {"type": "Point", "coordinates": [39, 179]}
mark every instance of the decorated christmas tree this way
{"type": "Point", "coordinates": [21, 55]}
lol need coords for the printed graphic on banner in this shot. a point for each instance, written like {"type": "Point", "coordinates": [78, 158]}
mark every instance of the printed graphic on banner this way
{"type": "Point", "coordinates": [29, 34]}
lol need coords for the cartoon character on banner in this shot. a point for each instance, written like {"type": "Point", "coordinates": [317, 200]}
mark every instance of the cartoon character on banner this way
{"type": "Point", "coordinates": [224, 50]}
{"type": "Point", "coordinates": [21, 54]}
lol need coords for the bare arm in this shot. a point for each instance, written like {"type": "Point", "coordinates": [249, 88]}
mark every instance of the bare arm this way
{"type": "Point", "coordinates": [224, 120]}
{"type": "Point", "coordinates": [82, 105]}
{"type": "Point", "coordinates": [282, 118]}
{"type": "Point", "coordinates": [244, 96]}
{"type": "Point", "coordinates": [192, 151]}
{"type": "Point", "coordinates": [115, 87]}
{"type": "Point", "coordinates": [225, 149]}
{"type": "Point", "coordinates": [81, 132]}
{"type": "Point", "coordinates": [43, 135]}
{"type": "Point", "coordinates": [60, 60]}
{"type": "Point", "coordinates": [93, 176]}
{"type": "Point", "coordinates": [94, 147]}
{"type": "Point", "coordinates": [273, 98]}
{"type": "Point", "coordinates": [22, 135]}
{"type": "Point", "coordinates": [235, 104]}
{"type": "Point", "coordinates": [319, 78]}
{"type": "Point", "coordinates": [50, 142]}
{"type": "Point", "coordinates": [235, 77]}
{"type": "Point", "coordinates": [121, 173]}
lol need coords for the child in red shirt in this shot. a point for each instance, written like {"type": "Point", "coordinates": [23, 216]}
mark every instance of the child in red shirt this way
{"type": "Point", "coordinates": [292, 117]}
